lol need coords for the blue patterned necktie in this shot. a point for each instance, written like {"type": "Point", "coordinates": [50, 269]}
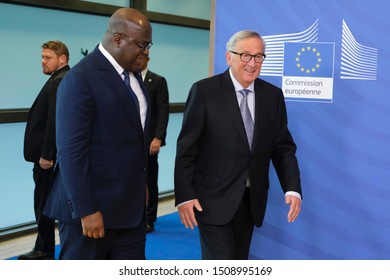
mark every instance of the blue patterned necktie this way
{"type": "Point", "coordinates": [127, 82]}
{"type": "Point", "coordinates": [246, 116]}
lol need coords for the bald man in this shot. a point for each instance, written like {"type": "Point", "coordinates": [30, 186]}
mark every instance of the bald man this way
{"type": "Point", "coordinates": [99, 189]}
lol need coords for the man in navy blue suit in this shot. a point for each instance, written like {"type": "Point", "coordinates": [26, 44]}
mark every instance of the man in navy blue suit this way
{"type": "Point", "coordinates": [99, 190]}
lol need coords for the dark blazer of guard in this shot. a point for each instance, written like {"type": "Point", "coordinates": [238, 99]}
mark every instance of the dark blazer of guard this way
{"type": "Point", "coordinates": [102, 148]}
{"type": "Point", "coordinates": [213, 156]}
{"type": "Point", "coordinates": [39, 138]}
{"type": "Point", "coordinates": [159, 105]}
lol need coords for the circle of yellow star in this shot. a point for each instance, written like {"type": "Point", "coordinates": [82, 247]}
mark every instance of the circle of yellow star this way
{"type": "Point", "coordinates": [310, 68]}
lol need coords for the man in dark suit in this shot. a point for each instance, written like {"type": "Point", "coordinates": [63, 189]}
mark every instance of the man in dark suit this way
{"type": "Point", "coordinates": [157, 89]}
{"type": "Point", "coordinates": [99, 188]}
{"type": "Point", "coordinates": [40, 144]}
{"type": "Point", "coordinates": [221, 168]}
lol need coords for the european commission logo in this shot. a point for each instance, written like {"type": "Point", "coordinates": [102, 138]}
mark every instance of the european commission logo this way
{"type": "Point", "coordinates": [308, 71]}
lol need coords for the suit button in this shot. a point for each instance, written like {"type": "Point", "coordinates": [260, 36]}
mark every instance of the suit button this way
{"type": "Point", "coordinates": [70, 206]}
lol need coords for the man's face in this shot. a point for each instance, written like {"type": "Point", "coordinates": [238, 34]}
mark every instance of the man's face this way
{"type": "Point", "coordinates": [50, 61]}
{"type": "Point", "coordinates": [131, 55]}
{"type": "Point", "coordinates": [245, 72]}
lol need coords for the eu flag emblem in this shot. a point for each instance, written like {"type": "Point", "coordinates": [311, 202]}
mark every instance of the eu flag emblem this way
{"type": "Point", "coordinates": [308, 59]}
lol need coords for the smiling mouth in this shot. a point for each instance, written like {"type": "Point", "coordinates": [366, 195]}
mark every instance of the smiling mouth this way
{"type": "Point", "coordinates": [251, 71]}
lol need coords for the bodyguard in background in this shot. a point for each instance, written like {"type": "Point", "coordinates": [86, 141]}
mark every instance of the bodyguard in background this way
{"type": "Point", "coordinates": [40, 144]}
{"type": "Point", "coordinates": [234, 125]}
{"type": "Point", "coordinates": [157, 89]}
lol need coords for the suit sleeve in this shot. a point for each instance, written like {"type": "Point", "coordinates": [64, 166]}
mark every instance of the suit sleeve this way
{"type": "Point", "coordinates": [75, 116]}
{"type": "Point", "coordinates": [49, 143]}
{"type": "Point", "coordinates": [283, 156]}
{"type": "Point", "coordinates": [162, 108]}
{"type": "Point", "coordinates": [188, 144]}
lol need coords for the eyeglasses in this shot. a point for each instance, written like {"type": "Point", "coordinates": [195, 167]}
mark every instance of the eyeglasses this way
{"type": "Point", "coordinates": [246, 57]}
{"type": "Point", "coordinates": [144, 47]}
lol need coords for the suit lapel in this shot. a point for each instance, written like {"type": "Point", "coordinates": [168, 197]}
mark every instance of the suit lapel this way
{"type": "Point", "coordinates": [114, 82]}
{"type": "Point", "coordinates": [148, 77]}
{"type": "Point", "coordinates": [259, 111]}
{"type": "Point", "coordinates": [229, 99]}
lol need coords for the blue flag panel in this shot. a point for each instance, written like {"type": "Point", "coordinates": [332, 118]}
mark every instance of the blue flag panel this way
{"type": "Point", "coordinates": [333, 51]}
{"type": "Point", "coordinates": [308, 59]}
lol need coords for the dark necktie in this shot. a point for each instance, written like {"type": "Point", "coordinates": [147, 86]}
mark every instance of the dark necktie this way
{"type": "Point", "coordinates": [127, 82]}
{"type": "Point", "coordinates": [246, 116]}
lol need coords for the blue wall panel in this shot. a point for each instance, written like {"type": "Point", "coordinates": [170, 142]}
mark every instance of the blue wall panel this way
{"type": "Point", "coordinates": [344, 143]}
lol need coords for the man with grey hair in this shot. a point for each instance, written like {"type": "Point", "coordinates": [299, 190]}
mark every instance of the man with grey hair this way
{"type": "Point", "coordinates": [234, 125]}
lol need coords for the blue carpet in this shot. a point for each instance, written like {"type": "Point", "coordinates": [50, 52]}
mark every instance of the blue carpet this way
{"type": "Point", "coordinates": [170, 241]}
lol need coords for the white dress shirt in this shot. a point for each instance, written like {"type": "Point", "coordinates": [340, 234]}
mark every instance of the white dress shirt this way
{"type": "Point", "coordinates": [134, 84]}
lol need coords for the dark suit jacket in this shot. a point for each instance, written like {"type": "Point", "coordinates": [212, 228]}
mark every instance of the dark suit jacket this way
{"type": "Point", "coordinates": [102, 148]}
{"type": "Point", "coordinates": [213, 157]}
{"type": "Point", "coordinates": [157, 89]}
{"type": "Point", "coordinates": [39, 137]}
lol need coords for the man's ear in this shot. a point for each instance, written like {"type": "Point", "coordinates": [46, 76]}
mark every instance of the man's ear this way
{"type": "Point", "coordinates": [63, 60]}
{"type": "Point", "coordinates": [228, 58]}
{"type": "Point", "coordinates": [117, 39]}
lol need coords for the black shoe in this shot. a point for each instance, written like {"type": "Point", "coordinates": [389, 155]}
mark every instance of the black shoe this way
{"type": "Point", "coordinates": [149, 227]}
{"type": "Point", "coordinates": [36, 255]}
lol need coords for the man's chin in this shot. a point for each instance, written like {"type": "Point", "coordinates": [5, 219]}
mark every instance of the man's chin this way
{"type": "Point", "coordinates": [251, 76]}
{"type": "Point", "coordinates": [136, 67]}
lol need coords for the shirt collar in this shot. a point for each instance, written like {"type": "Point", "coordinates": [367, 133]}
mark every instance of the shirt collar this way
{"type": "Point", "coordinates": [115, 64]}
{"type": "Point", "coordinates": [143, 73]}
{"type": "Point", "coordinates": [238, 86]}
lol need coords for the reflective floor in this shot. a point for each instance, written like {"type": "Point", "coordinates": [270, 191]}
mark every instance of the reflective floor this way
{"type": "Point", "coordinates": [20, 245]}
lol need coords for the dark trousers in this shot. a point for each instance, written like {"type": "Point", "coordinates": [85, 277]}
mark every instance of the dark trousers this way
{"type": "Point", "coordinates": [117, 244]}
{"type": "Point", "coordinates": [151, 211]}
{"type": "Point", "coordinates": [231, 241]}
{"type": "Point", "coordinates": [45, 241]}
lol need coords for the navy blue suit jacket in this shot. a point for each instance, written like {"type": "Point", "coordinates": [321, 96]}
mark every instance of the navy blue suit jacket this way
{"type": "Point", "coordinates": [102, 148]}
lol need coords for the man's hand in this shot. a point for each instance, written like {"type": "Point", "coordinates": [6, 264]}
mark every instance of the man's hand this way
{"type": "Point", "coordinates": [295, 207]}
{"type": "Point", "coordinates": [45, 164]}
{"type": "Point", "coordinates": [187, 215]}
{"type": "Point", "coordinates": [93, 226]}
{"type": "Point", "coordinates": [154, 148]}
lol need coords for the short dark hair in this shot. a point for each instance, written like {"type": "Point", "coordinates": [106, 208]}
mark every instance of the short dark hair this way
{"type": "Point", "coordinates": [57, 47]}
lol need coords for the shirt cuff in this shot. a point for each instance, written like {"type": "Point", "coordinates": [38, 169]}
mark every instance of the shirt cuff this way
{"type": "Point", "coordinates": [185, 202]}
{"type": "Point", "coordinates": [293, 194]}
